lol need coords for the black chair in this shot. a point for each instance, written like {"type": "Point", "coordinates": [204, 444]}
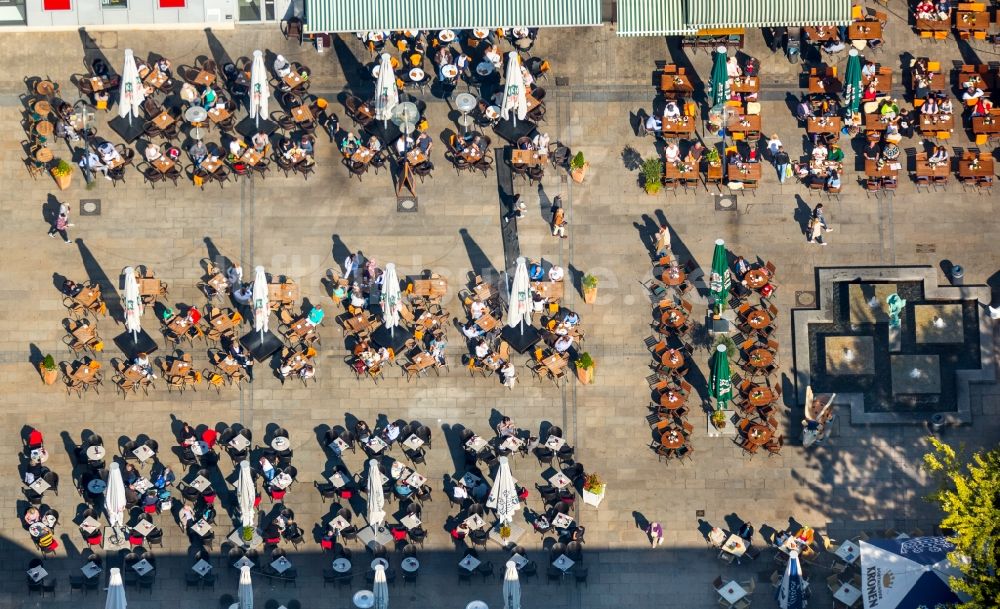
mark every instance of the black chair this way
{"type": "Point", "coordinates": [580, 574]}
{"type": "Point", "coordinates": [464, 576]}
{"type": "Point", "coordinates": [553, 574]}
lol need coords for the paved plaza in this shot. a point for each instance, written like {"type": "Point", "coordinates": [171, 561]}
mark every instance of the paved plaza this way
{"type": "Point", "coordinates": [864, 478]}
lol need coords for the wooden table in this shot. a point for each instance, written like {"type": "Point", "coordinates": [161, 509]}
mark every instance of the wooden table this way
{"type": "Point", "coordinates": [549, 290]}
{"type": "Point", "coordinates": [362, 156]}
{"type": "Point", "coordinates": [301, 327]}
{"type": "Point", "coordinates": [163, 164]}
{"type": "Point", "coordinates": [148, 286]}
{"type": "Point", "coordinates": [676, 84]}
{"type": "Point", "coordinates": [672, 439]}
{"type": "Point", "coordinates": [251, 156]}
{"type": "Point", "coordinates": [672, 400]}
{"type": "Point", "coordinates": [936, 82]}
{"type": "Point", "coordinates": [293, 80]}
{"type": "Point", "coordinates": [760, 395]}
{"type": "Point", "coordinates": [750, 172]}
{"type": "Point", "coordinates": [872, 169]}
{"type": "Point", "coordinates": [528, 157]}
{"type": "Point", "coordinates": [747, 122]}
{"type": "Point", "coordinates": [471, 154]}
{"type": "Point", "coordinates": [884, 84]}
{"type": "Point", "coordinates": [99, 83]}
{"type": "Point", "coordinates": [179, 325]}
{"type": "Point", "coordinates": [758, 319]}
{"type": "Point", "coordinates": [673, 276]}
{"type": "Point", "coordinates": [220, 324]}
{"type": "Point", "coordinates": [532, 103]}
{"type": "Point", "coordinates": [87, 296]}
{"type": "Point", "coordinates": [357, 323]}
{"type": "Point", "coordinates": [868, 29]}
{"type": "Point", "coordinates": [872, 122]}
{"type": "Point", "coordinates": [283, 292]}
{"type": "Point", "coordinates": [423, 360]}
{"type": "Point", "coordinates": [84, 333]}
{"type": "Point", "coordinates": [924, 169]}
{"type": "Point", "coordinates": [211, 165]}
{"type": "Point", "coordinates": [689, 174]}
{"type": "Point", "coordinates": [178, 367]}
{"type": "Point", "coordinates": [759, 434]}
{"type": "Point", "coordinates": [672, 358]}
{"type": "Point", "coordinates": [965, 169]}
{"type": "Point", "coordinates": [981, 127]}
{"type": "Point", "coordinates": [301, 114]}
{"type": "Point", "coordinates": [761, 357]}
{"type": "Point", "coordinates": [43, 155]}
{"type": "Point", "coordinates": [156, 78]}
{"type": "Point", "coordinates": [833, 125]}
{"type": "Point", "coordinates": [217, 115]}
{"type": "Point", "coordinates": [84, 374]}
{"type": "Point", "coordinates": [163, 120]}
{"type": "Point", "coordinates": [673, 317]}
{"type": "Point", "coordinates": [42, 107]}
{"type": "Point", "coordinates": [756, 278]}
{"type": "Point", "coordinates": [555, 363]}
{"type": "Point", "coordinates": [677, 127]}
{"type": "Point", "coordinates": [820, 33]}
{"type": "Point", "coordinates": [416, 157]}
{"type": "Point", "coordinates": [972, 20]}
{"type": "Point", "coordinates": [485, 291]}
{"type": "Point", "coordinates": [825, 85]}
{"type": "Point", "coordinates": [430, 288]}
{"type": "Point", "coordinates": [204, 78]}
{"type": "Point", "coordinates": [44, 128]}
{"type": "Point", "coordinates": [745, 84]}
{"type": "Point", "coordinates": [944, 122]}
{"type": "Point", "coordinates": [933, 25]}
{"type": "Point", "coordinates": [487, 322]}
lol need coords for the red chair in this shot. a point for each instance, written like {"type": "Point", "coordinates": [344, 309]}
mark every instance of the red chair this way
{"type": "Point", "coordinates": [209, 437]}
{"type": "Point", "coordinates": [135, 540]}
{"type": "Point", "coordinates": [35, 439]}
{"type": "Point", "coordinates": [399, 534]}
{"type": "Point", "coordinates": [97, 539]}
{"type": "Point", "coordinates": [209, 499]}
{"type": "Point", "coordinates": [149, 509]}
{"type": "Point", "coordinates": [272, 541]}
{"type": "Point", "coordinates": [326, 544]}
{"type": "Point", "coordinates": [256, 501]}
{"type": "Point", "coordinates": [277, 495]}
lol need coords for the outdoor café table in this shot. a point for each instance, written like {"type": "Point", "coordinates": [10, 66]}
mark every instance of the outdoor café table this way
{"type": "Point", "coordinates": [870, 29]}
{"type": "Point", "coordinates": [410, 564]}
{"type": "Point", "coordinates": [85, 333]}
{"type": "Point", "coordinates": [972, 20]}
{"type": "Point", "coordinates": [485, 291]}
{"type": "Point", "coordinates": [142, 567]}
{"type": "Point", "coordinates": [672, 358]}
{"type": "Point", "coordinates": [673, 276]}
{"type": "Point", "coordinates": [760, 395]}
{"type": "Point", "coordinates": [687, 172]}
{"type": "Point", "coordinates": [469, 563]}
{"type": "Point", "coordinates": [99, 83]}
{"type": "Point", "coordinates": [471, 154]}
{"type": "Point", "coordinates": [555, 442]}
{"type": "Point", "coordinates": [283, 292]}
{"type": "Point", "coordinates": [90, 570]}
{"type": "Point", "coordinates": [431, 288]}
{"type": "Point", "coordinates": [872, 169]}
{"type": "Point", "coordinates": [301, 328]}
{"type": "Point", "coordinates": [90, 524]}
{"type": "Point", "coordinates": [758, 319]}
{"type": "Point", "coordinates": [732, 592]}
{"type": "Point", "coordinates": [672, 400]}
{"type": "Point", "coordinates": [200, 448]}
{"type": "Point", "coordinates": [204, 78]}
{"type": "Point", "coordinates": [676, 84]}
{"type": "Point", "coordinates": [828, 124]}
{"type": "Point", "coordinates": [281, 564]}
{"type": "Point", "coordinates": [673, 317]}
{"type": "Point", "coordinates": [39, 485]}
{"type": "Point", "coordinates": [95, 453]}
{"type": "Point", "coordinates": [735, 546]}
{"type": "Point", "coordinates": [884, 84]}
{"type": "Point", "coordinates": [201, 483]}
{"type": "Point", "coordinates": [201, 527]}
{"type": "Point", "coordinates": [87, 296]}
{"type": "Point", "coordinates": [745, 84]}
{"type": "Point", "coordinates": [163, 165]}
{"type": "Point", "coordinates": [415, 157]}
{"type": "Point", "coordinates": [759, 434]}
{"type": "Point", "coordinates": [416, 480]}
{"type": "Point", "coordinates": [415, 74]}
{"type": "Point", "coordinates": [476, 443]}
{"type": "Point", "coordinates": [357, 324]}
{"type": "Point", "coordinates": [532, 102]}
{"type": "Point", "coordinates": [362, 156]}
{"type": "Point", "coordinates": [923, 169]}
{"type": "Point", "coordinates": [820, 33]}
{"type": "Point", "coordinates": [218, 114]}
{"type": "Point", "coordinates": [761, 358]}
{"type": "Point", "coordinates": [301, 114]}
{"type": "Point", "coordinates": [143, 527]}
{"type": "Point", "coordinates": [474, 522]}
{"type": "Point", "coordinates": [747, 122]}
{"type": "Point", "coordinates": [243, 562]}
{"type": "Point", "coordinates": [528, 157]}
{"type": "Point", "coordinates": [847, 594]}
{"type": "Point", "coordinates": [825, 85]}
{"type": "Point", "coordinates": [410, 521]}
{"type": "Point", "coordinates": [179, 325]}
{"type": "Point", "coordinates": [512, 443]}
{"type": "Point", "coordinates": [178, 367]}
{"type": "Point", "coordinates": [874, 123]}
{"type": "Point", "coordinates": [251, 156]}
{"type": "Point", "coordinates": [201, 567]}
{"type": "Point", "coordinates": [755, 279]}
{"type": "Point", "coordinates": [554, 363]}
{"type": "Point", "coordinates": [672, 439]}
{"type": "Point", "coordinates": [677, 127]}
{"type": "Point", "coordinates": [376, 445]}
{"type": "Point", "coordinates": [422, 361]}
{"type": "Point", "coordinates": [44, 128]}
{"type": "Point", "coordinates": [929, 123]}
{"type": "Point", "coordinates": [281, 481]}
{"type": "Point", "coordinates": [981, 127]}
{"type": "Point", "coordinates": [338, 523]}
{"type": "Point", "coordinates": [45, 87]}
{"type": "Point", "coordinates": [156, 78]}
{"type": "Point", "coordinates": [563, 563]}
{"type": "Point", "coordinates": [849, 552]}
{"type": "Point", "coordinates": [559, 480]}
{"type": "Point", "coordinates": [562, 521]}
{"type": "Point", "coordinates": [744, 172]}
{"type": "Point", "coordinates": [933, 25]}
{"type": "Point", "coordinates": [42, 107]}
{"type": "Point", "coordinates": [37, 573]}
{"type": "Point", "coordinates": [293, 80]}
{"type": "Point", "coordinates": [341, 565]}
{"type": "Point", "coordinates": [549, 290]}
{"type": "Point", "coordinates": [84, 374]}
{"type": "Point", "coordinates": [486, 322]}
{"type": "Point", "coordinates": [985, 169]}
{"type": "Point", "coordinates": [143, 453]}
{"type": "Point", "coordinates": [211, 164]}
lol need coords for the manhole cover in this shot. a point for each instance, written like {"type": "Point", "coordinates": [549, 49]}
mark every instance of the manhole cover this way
{"type": "Point", "coordinates": [406, 204]}
{"type": "Point", "coordinates": [90, 207]}
{"type": "Point", "coordinates": [725, 202]}
{"type": "Point", "coordinates": [805, 299]}
{"type": "Point", "coordinates": [699, 513]}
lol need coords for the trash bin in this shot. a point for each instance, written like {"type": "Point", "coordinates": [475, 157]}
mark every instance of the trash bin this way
{"type": "Point", "coordinates": [957, 273]}
{"type": "Point", "coordinates": [937, 422]}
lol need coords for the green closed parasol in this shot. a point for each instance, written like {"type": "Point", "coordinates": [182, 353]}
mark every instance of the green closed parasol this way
{"type": "Point", "coordinates": [721, 387]}
{"type": "Point", "coordinates": [719, 92]}
{"type": "Point", "coordinates": [852, 84]}
{"type": "Point", "coordinates": [719, 281]}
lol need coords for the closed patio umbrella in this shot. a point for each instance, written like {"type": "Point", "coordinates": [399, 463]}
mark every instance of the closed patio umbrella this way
{"type": "Point", "coordinates": [246, 494]}
{"type": "Point", "coordinates": [259, 89]}
{"type": "Point", "coordinates": [719, 281]}
{"type": "Point", "coordinates": [376, 498]}
{"type": "Point", "coordinates": [721, 387]}
{"type": "Point", "coordinates": [133, 304]}
{"type": "Point", "coordinates": [503, 496]}
{"type": "Point", "coordinates": [719, 83]}
{"type": "Point", "coordinates": [386, 92]}
{"type": "Point", "coordinates": [790, 593]}
{"type": "Point", "coordinates": [514, 95]}
{"type": "Point", "coordinates": [519, 305]}
{"type": "Point", "coordinates": [380, 588]}
{"type": "Point", "coordinates": [116, 591]}
{"type": "Point", "coordinates": [261, 306]}
{"type": "Point", "coordinates": [390, 301]}
{"type": "Point", "coordinates": [132, 93]}
{"type": "Point", "coordinates": [511, 587]}
{"type": "Point", "coordinates": [114, 497]}
{"type": "Point", "coordinates": [852, 84]}
{"type": "Point", "coordinates": [244, 593]}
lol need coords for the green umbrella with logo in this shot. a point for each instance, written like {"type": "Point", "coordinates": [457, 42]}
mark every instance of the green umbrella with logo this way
{"type": "Point", "coordinates": [852, 84]}
{"type": "Point", "coordinates": [719, 281]}
{"type": "Point", "coordinates": [719, 92]}
{"type": "Point", "coordinates": [721, 387]}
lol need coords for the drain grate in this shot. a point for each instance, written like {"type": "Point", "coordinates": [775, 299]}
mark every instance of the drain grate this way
{"type": "Point", "coordinates": [90, 207]}
{"type": "Point", "coordinates": [406, 204]}
{"type": "Point", "coordinates": [562, 81]}
{"type": "Point", "coordinates": [926, 248]}
{"type": "Point", "coordinates": [805, 299]}
{"type": "Point", "coordinates": [724, 202]}
{"type": "Point", "coordinates": [699, 513]}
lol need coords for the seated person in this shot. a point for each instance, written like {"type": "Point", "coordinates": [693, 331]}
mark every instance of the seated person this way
{"type": "Point", "coordinates": [350, 144]}
{"type": "Point", "coordinates": [260, 142]}
{"type": "Point", "coordinates": [425, 143]}
{"type": "Point", "coordinates": [236, 147]}
{"type": "Point", "coordinates": [872, 151]}
{"type": "Point", "coordinates": [281, 66]}
{"type": "Point", "coordinates": [804, 110]}
{"type": "Point", "coordinates": [834, 46]}
{"type": "Point", "coordinates": [940, 155]}
{"type": "Point", "coordinates": [653, 123]}
{"type": "Point", "coordinates": [476, 309]}
{"type": "Point", "coordinates": [946, 107]}
{"type": "Point", "coordinates": [208, 97]}
{"type": "Point", "coordinates": [437, 348]}
{"type": "Point", "coordinates": [671, 110]}
{"type": "Point", "coordinates": [971, 92]}
{"type": "Point", "coordinates": [740, 267]}
{"type": "Point", "coordinates": [870, 93]}
{"type": "Point", "coordinates": [982, 107]}
{"type": "Point", "coordinates": [925, 10]}
{"type": "Point", "coordinates": [471, 330]}
{"type": "Point", "coordinates": [694, 153]}
{"type": "Point", "coordinates": [198, 152]}
{"type": "Point", "coordinates": [836, 154]}
{"type": "Point", "coordinates": [306, 143]}
{"type": "Point", "coordinates": [921, 87]}
{"type": "Point", "coordinates": [819, 152]}
{"type": "Point", "coordinates": [733, 68]}
{"type": "Point", "coordinates": [869, 69]}
{"type": "Point", "coordinates": [929, 107]}
{"type": "Point", "coordinates": [403, 144]}
{"type": "Point", "coordinates": [108, 153]}
{"type": "Point", "coordinates": [482, 349]}
{"type": "Point", "coordinates": [833, 179]}
{"type": "Point", "coordinates": [556, 273]}
{"type": "Point", "coordinates": [153, 152]}
{"type": "Point", "coordinates": [541, 141]}
{"type": "Point", "coordinates": [672, 152]}
{"type": "Point", "coordinates": [536, 272]}
{"type": "Point", "coordinates": [563, 343]}
{"type": "Point", "coordinates": [570, 318]}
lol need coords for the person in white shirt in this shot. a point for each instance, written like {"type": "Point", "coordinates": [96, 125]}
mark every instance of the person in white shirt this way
{"type": "Point", "coordinates": [185, 515]}
{"type": "Point", "coordinates": [404, 143]}
{"type": "Point", "coordinates": [92, 163]}
{"type": "Point", "coordinates": [235, 275]}
{"type": "Point", "coordinates": [653, 123]}
{"type": "Point", "coordinates": [541, 141]}
{"type": "Point", "coordinates": [733, 68]}
{"type": "Point", "coordinates": [671, 110]}
{"type": "Point", "coordinates": [460, 492]}
{"type": "Point", "coordinates": [235, 147]}
{"type": "Point", "coordinates": [391, 432]}
{"type": "Point", "coordinates": [946, 106]}
{"type": "Point", "coordinates": [820, 152]}
{"type": "Point", "coordinates": [672, 152]}
{"type": "Point", "coordinates": [563, 344]}
{"type": "Point", "coordinates": [476, 309]}
{"type": "Point", "coordinates": [509, 374]}
{"type": "Point", "coordinates": [153, 152]}
{"type": "Point", "coordinates": [260, 141]}
{"type": "Point", "coordinates": [281, 66]}
{"type": "Point", "coordinates": [556, 273]}
{"type": "Point", "coordinates": [482, 349]}
{"type": "Point", "coordinates": [971, 92]}
{"type": "Point", "coordinates": [350, 265]}
{"type": "Point", "coordinates": [493, 56]}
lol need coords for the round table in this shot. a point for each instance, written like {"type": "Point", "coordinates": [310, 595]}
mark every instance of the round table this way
{"type": "Point", "coordinates": [758, 319]}
{"type": "Point", "coordinates": [380, 561]}
{"type": "Point", "coordinates": [45, 87]}
{"type": "Point", "coordinates": [761, 358]}
{"type": "Point", "coordinates": [280, 443]}
{"type": "Point", "coordinates": [195, 114]}
{"type": "Point", "coordinates": [477, 605]}
{"type": "Point", "coordinates": [672, 358]}
{"type": "Point", "coordinates": [410, 564]}
{"type": "Point", "coordinates": [416, 74]}
{"type": "Point", "coordinates": [480, 33]}
{"type": "Point", "coordinates": [95, 453]}
{"type": "Point", "coordinates": [446, 35]}
{"type": "Point", "coordinates": [673, 276]}
{"type": "Point", "coordinates": [37, 529]}
{"type": "Point", "coordinates": [756, 278]}
{"type": "Point", "coordinates": [43, 155]}
{"type": "Point", "coordinates": [759, 395]}
{"type": "Point", "coordinates": [485, 68]}
{"type": "Point", "coordinates": [672, 400]}
{"type": "Point", "coordinates": [42, 107]}
{"type": "Point", "coordinates": [411, 33]}
{"type": "Point", "coordinates": [451, 71]}
{"type": "Point", "coordinates": [341, 565]}
{"type": "Point", "coordinates": [672, 439]}
{"type": "Point", "coordinates": [364, 599]}
{"type": "Point", "coordinates": [44, 128]}
{"type": "Point", "coordinates": [759, 434]}
{"type": "Point", "coordinates": [493, 112]}
{"type": "Point", "coordinates": [674, 318]}
{"type": "Point", "coordinates": [97, 486]}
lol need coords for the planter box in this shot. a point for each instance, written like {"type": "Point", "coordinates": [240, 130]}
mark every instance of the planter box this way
{"type": "Point", "coordinates": [729, 429]}
{"type": "Point", "coordinates": [589, 295]}
{"type": "Point", "coordinates": [593, 498]}
{"type": "Point", "coordinates": [586, 375]}
{"type": "Point", "coordinates": [579, 174]}
{"type": "Point", "coordinates": [62, 181]}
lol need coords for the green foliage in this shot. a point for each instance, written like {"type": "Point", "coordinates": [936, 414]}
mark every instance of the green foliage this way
{"type": "Point", "coordinates": [577, 162]}
{"type": "Point", "coordinates": [62, 169]}
{"type": "Point", "coordinates": [589, 281]}
{"type": "Point", "coordinates": [585, 361]}
{"type": "Point", "coordinates": [969, 496]}
{"type": "Point", "coordinates": [712, 155]}
{"type": "Point", "coordinates": [718, 418]}
{"type": "Point", "coordinates": [652, 172]}
{"type": "Point", "coordinates": [49, 363]}
{"type": "Point", "coordinates": [725, 339]}
{"type": "Point", "coordinates": [593, 484]}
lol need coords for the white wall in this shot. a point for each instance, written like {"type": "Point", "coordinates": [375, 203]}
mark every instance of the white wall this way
{"type": "Point", "coordinates": [138, 13]}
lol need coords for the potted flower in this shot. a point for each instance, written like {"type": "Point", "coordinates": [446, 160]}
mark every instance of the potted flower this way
{"type": "Point", "coordinates": [589, 289]}
{"type": "Point", "coordinates": [505, 531]}
{"type": "Point", "coordinates": [48, 369]}
{"type": "Point", "coordinates": [585, 368]}
{"type": "Point", "coordinates": [578, 168]}
{"type": "Point", "coordinates": [712, 157]}
{"type": "Point", "coordinates": [62, 173]}
{"type": "Point", "coordinates": [652, 172]}
{"type": "Point", "coordinates": [718, 419]}
{"type": "Point", "coordinates": [593, 490]}
{"type": "Point", "coordinates": [248, 534]}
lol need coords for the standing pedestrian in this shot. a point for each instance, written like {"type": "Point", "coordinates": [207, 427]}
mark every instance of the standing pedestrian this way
{"type": "Point", "coordinates": [558, 219]}
{"type": "Point", "coordinates": [781, 161]}
{"type": "Point", "coordinates": [663, 240]}
{"type": "Point", "coordinates": [773, 145]}
{"type": "Point", "coordinates": [655, 532]}
{"type": "Point", "coordinates": [61, 223]}
{"type": "Point", "coordinates": [817, 224]}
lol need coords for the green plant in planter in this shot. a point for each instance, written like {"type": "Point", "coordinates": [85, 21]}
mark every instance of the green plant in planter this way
{"type": "Point", "coordinates": [577, 162]}
{"type": "Point", "coordinates": [725, 339]}
{"type": "Point", "coordinates": [49, 363]}
{"type": "Point", "coordinates": [62, 169]}
{"type": "Point", "coordinates": [712, 155]}
{"type": "Point", "coordinates": [593, 484]}
{"type": "Point", "coordinates": [589, 281]}
{"type": "Point", "coordinates": [585, 361]}
{"type": "Point", "coordinates": [652, 172]}
{"type": "Point", "coordinates": [247, 534]}
{"type": "Point", "coordinates": [718, 419]}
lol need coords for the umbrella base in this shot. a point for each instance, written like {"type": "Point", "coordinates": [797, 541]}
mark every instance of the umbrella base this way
{"type": "Point", "coordinates": [249, 127]}
{"type": "Point", "coordinates": [512, 131]}
{"type": "Point", "coordinates": [521, 337]}
{"type": "Point", "coordinates": [129, 132]}
{"type": "Point", "coordinates": [114, 540]}
{"type": "Point", "coordinates": [236, 537]}
{"type": "Point", "coordinates": [261, 347]}
{"type": "Point", "coordinates": [132, 345]}
{"type": "Point", "coordinates": [374, 538]}
{"type": "Point", "coordinates": [391, 340]}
